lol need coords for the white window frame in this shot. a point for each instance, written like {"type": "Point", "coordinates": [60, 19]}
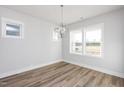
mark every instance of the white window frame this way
{"type": "Point", "coordinates": [6, 21]}
{"type": "Point", "coordinates": [70, 45]}
{"type": "Point", "coordinates": [101, 25]}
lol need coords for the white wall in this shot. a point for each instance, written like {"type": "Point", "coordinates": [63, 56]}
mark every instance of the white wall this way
{"type": "Point", "coordinates": [37, 47]}
{"type": "Point", "coordinates": [113, 59]}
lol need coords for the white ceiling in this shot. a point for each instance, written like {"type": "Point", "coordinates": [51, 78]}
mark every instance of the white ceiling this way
{"type": "Point", "coordinates": [72, 13]}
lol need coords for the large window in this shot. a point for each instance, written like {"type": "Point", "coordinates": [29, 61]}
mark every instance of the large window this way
{"type": "Point", "coordinates": [76, 42]}
{"type": "Point", "coordinates": [88, 41]}
{"type": "Point", "coordinates": [93, 40]}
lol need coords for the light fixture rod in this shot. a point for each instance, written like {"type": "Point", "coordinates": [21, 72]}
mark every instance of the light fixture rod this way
{"type": "Point", "coordinates": [62, 14]}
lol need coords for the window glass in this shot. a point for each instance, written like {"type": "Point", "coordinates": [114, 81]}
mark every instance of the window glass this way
{"type": "Point", "coordinates": [12, 30]}
{"type": "Point", "coordinates": [76, 42]}
{"type": "Point", "coordinates": [93, 41]}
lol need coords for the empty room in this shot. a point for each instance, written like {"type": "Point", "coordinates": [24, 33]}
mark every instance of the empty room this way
{"type": "Point", "coordinates": [61, 46]}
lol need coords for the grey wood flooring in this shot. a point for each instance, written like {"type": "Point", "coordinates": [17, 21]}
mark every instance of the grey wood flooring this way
{"type": "Point", "coordinates": [62, 74]}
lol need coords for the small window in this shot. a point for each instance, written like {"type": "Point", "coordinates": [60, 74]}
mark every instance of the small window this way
{"type": "Point", "coordinates": [55, 36]}
{"type": "Point", "coordinates": [11, 28]}
{"type": "Point", "coordinates": [93, 40]}
{"type": "Point", "coordinates": [76, 42]}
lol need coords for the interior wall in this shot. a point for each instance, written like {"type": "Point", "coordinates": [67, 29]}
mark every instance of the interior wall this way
{"type": "Point", "coordinates": [35, 49]}
{"type": "Point", "coordinates": [113, 59]}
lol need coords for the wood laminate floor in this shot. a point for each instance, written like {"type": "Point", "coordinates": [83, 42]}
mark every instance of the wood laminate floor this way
{"type": "Point", "coordinates": [62, 74]}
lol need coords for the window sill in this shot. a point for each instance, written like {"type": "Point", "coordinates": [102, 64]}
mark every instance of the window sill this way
{"type": "Point", "coordinates": [93, 56]}
{"type": "Point", "coordinates": [76, 53]}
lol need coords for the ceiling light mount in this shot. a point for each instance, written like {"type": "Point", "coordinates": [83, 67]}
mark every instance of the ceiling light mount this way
{"type": "Point", "coordinates": [61, 5]}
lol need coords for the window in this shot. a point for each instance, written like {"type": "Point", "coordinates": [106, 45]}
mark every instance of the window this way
{"type": "Point", "coordinates": [76, 42]}
{"type": "Point", "coordinates": [93, 40]}
{"type": "Point", "coordinates": [11, 28]}
{"type": "Point", "coordinates": [55, 36]}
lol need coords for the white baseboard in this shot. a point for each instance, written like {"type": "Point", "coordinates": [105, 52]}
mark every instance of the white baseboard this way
{"type": "Point", "coordinates": [26, 69]}
{"type": "Point", "coordinates": [118, 74]}
{"type": "Point", "coordinates": [48, 63]}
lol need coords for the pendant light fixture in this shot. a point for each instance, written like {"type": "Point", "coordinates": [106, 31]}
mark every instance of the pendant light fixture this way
{"type": "Point", "coordinates": [61, 28]}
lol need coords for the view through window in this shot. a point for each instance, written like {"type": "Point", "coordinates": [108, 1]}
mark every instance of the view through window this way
{"type": "Point", "coordinates": [76, 42]}
{"type": "Point", "coordinates": [93, 40]}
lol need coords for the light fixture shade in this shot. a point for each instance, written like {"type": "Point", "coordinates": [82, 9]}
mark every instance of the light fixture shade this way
{"type": "Point", "coordinates": [60, 29]}
{"type": "Point", "coordinates": [57, 29]}
{"type": "Point", "coordinates": [63, 29]}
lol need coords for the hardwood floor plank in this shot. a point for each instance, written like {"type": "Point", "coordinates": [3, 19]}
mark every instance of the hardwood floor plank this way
{"type": "Point", "coordinates": [62, 74]}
